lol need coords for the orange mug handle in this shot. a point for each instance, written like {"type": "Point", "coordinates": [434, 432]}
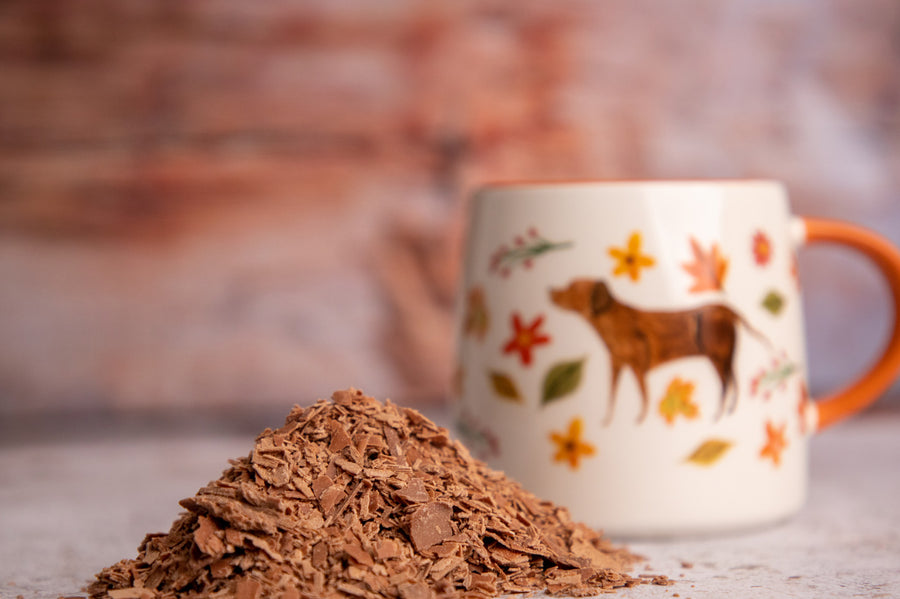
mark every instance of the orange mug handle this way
{"type": "Point", "coordinates": [868, 387]}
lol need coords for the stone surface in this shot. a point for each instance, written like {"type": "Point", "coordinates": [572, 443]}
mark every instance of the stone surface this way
{"type": "Point", "coordinates": [67, 510]}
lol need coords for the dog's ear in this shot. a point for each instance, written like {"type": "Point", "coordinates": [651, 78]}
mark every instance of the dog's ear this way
{"type": "Point", "coordinates": [600, 298]}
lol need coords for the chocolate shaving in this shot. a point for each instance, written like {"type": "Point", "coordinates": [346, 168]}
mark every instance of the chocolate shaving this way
{"type": "Point", "coordinates": [247, 589]}
{"type": "Point", "coordinates": [321, 484]}
{"type": "Point", "coordinates": [387, 549]}
{"type": "Point", "coordinates": [206, 539]}
{"type": "Point", "coordinates": [339, 437]}
{"type": "Point", "coordinates": [355, 498]}
{"type": "Point", "coordinates": [430, 525]}
{"type": "Point", "coordinates": [413, 492]}
{"type": "Point", "coordinates": [415, 591]}
{"type": "Point", "coordinates": [360, 555]}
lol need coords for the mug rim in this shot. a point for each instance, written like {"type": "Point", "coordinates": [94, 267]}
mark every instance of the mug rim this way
{"type": "Point", "coordinates": [630, 183]}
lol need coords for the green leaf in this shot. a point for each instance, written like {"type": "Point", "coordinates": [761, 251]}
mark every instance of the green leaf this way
{"type": "Point", "coordinates": [505, 387]}
{"type": "Point", "coordinates": [709, 452]}
{"type": "Point", "coordinates": [561, 380]}
{"type": "Point", "coordinates": [773, 302]}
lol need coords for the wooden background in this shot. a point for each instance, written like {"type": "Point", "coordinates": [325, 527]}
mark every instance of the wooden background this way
{"type": "Point", "coordinates": [231, 204]}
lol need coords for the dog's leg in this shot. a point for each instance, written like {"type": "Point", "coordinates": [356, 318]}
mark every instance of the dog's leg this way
{"type": "Point", "coordinates": [723, 379]}
{"type": "Point", "coordinates": [642, 383]}
{"type": "Point", "coordinates": [723, 368]}
{"type": "Point", "coordinates": [611, 400]}
{"type": "Point", "coordinates": [716, 339]}
{"type": "Point", "coordinates": [729, 381]}
{"type": "Point", "coordinates": [733, 385]}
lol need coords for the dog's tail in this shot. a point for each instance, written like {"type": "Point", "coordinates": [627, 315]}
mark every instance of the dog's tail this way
{"type": "Point", "coordinates": [754, 331]}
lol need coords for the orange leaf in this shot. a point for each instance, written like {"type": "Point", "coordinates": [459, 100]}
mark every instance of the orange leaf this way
{"type": "Point", "coordinates": [708, 268]}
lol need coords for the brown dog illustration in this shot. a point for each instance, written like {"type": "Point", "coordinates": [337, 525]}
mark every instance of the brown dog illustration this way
{"type": "Point", "coordinates": [643, 340]}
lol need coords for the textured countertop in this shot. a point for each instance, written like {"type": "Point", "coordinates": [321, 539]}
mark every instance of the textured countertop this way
{"type": "Point", "coordinates": [67, 509]}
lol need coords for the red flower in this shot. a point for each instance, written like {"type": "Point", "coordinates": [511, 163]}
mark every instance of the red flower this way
{"type": "Point", "coordinates": [762, 248]}
{"type": "Point", "coordinates": [525, 338]}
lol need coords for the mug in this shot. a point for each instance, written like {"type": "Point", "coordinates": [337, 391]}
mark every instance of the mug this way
{"type": "Point", "coordinates": [635, 350]}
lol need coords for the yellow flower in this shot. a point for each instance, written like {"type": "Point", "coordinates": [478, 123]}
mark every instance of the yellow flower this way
{"type": "Point", "coordinates": [678, 400]}
{"type": "Point", "coordinates": [569, 446]}
{"type": "Point", "coordinates": [630, 260]}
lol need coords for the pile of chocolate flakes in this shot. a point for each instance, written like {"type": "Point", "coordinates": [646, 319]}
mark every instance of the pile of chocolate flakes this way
{"type": "Point", "coordinates": [355, 498]}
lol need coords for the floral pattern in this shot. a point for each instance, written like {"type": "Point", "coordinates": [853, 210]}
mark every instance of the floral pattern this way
{"type": "Point", "coordinates": [525, 249]}
{"type": "Point", "coordinates": [708, 268]}
{"type": "Point", "coordinates": [775, 443]}
{"type": "Point", "coordinates": [476, 320]}
{"type": "Point", "coordinates": [767, 381]}
{"type": "Point", "coordinates": [505, 387]}
{"type": "Point", "coordinates": [630, 260]}
{"type": "Point", "coordinates": [525, 338]}
{"type": "Point", "coordinates": [562, 380]}
{"type": "Point", "coordinates": [710, 452]}
{"type": "Point", "coordinates": [762, 248]}
{"type": "Point", "coordinates": [678, 400]}
{"type": "Point", "coordinates": [773, 302]}
{"type": "Point", "coordinates": [570, 447]}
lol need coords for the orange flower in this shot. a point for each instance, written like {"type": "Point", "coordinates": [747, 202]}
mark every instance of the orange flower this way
{"type": "Point", "coordinates": [775, 443]}
{"type": "Point", "coordinates": [630, 260]}
{"type": "Point", "coordinates": [678, 400]}
{"type": "Point", "coordinates": [762, 248]}
{"type": "Point", "coordinates": [569, 446]}
{"type": "Point", "coordinates": [476, 320]}
{"type": "Point", "coordinates": [525, 338]}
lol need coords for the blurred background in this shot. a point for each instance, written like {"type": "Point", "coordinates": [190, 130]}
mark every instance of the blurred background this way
{"type": "Point", "coordinates": [216, 209]}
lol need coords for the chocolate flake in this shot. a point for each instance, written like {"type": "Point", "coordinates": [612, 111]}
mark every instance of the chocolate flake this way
{"type": "Point", "coordinates": [414, 491]}
{"type": "Point", "coordinates": [130, 593]}
{"type": "Point", "coordinates": [206, 539]}
{"type": "Point", "coordinates": [430, 525]}
{"type": "Point", "coordinates": [339, 437]}
{"type": "Point", "coordinates": [415, 591]}
{"type": "Point", "coordinates": [355, 498]}
{"type": "Point", "coordinates": [321, 484]}
{"type": "Point", "coordinates": [386, 549]}
{"type": "Point", "coordinates": [359, 554]}
{"type": "Point", "coordinates": [247, 589]}
{"type": "Point", "coordinates": [348, 466]}
{"type": "Point", "coordinates": [320, 555]}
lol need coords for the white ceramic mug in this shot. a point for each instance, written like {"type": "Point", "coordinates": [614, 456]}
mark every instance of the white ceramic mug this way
{"type": "Point", "coordinates": [635, 350]}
